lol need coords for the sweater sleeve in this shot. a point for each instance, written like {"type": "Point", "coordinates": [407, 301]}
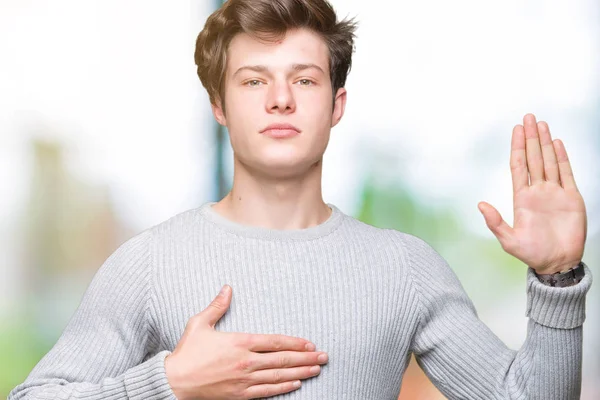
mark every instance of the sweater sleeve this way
{"type": "Point", "coordinates": [465, 360]}
{"type": "Point", "coordinates": [105, 350]}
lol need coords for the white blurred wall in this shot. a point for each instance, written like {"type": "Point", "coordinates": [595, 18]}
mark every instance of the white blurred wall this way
{"type": "Point", "coordinates": [436, 86]}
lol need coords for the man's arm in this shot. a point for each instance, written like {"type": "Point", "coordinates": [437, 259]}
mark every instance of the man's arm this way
{"type": "Point", "coordinates": [102, 352]}
{"type": "Point", "coordinates": [465, 359]}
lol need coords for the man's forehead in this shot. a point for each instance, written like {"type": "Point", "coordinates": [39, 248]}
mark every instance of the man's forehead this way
{"type": "Point", "coordinates": [296, 48]}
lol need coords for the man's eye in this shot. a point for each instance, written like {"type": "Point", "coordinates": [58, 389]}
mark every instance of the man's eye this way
{"type": "Point", "coordinates": [305, 82]}
{"type": "Point", "coordinates": [253, 82]}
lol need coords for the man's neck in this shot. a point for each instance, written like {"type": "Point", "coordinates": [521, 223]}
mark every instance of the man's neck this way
{"type": "Point", "coordinates": [283, 204]}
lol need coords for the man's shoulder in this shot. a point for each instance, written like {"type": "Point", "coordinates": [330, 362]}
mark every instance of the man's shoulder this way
{"type": "Point", "coordinates": [175, 227]}
{"type": "Point", "coordinates": [176, 224]}
{"type": "Point", "coordinates": [388, 235]}
{"type": "Point", "coordinates": [395, 247]}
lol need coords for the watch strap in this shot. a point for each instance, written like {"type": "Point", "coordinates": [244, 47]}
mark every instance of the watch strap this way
{"type": "Point", "coordinates": [564, 279]}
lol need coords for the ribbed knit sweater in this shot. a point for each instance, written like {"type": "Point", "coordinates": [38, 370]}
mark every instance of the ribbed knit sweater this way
{"type": "Point", "coordinates": [367, 296]}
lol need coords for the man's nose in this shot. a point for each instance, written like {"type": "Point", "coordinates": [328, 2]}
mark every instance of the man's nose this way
{"type": "Point", "coordinates": [281, 98]}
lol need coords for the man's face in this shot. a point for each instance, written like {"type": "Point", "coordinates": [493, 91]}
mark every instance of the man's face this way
{"type": "Point", "coordinates": [283, 82]}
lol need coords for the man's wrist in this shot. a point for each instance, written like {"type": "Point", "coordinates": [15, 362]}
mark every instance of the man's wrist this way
{"type": "Point", "coordinates": [172, 378]}
{"type": "Point", "coordinates": [567, 278]}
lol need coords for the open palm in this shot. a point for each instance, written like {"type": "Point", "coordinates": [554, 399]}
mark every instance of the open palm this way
{"type": "Point", "coordinates": [550, 223]}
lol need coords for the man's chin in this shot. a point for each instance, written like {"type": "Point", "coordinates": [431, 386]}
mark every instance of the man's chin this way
{"type": "Point", "coordinates": [285, 169]}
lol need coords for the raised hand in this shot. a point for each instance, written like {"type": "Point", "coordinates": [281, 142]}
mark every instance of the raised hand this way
{"type": "Point", "coordinates": [550, 223]}
{"type": "Point", "coordinates": [208, 364]}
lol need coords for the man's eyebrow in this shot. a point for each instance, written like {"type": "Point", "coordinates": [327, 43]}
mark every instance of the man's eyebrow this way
{"type": "Point", "coordinates": [256, 68]}
{"type": "Point", "coordinates": [263, 68]}
{"type": "Point", "coordinates": [302, 67]}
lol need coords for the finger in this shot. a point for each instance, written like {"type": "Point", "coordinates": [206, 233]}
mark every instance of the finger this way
{"type": "Point", "coordinates": [499, 227]}
{"type": "Point", "coordinates": [535, 161]}
{"type": "Point", "coordinates": [286, 359]}
{"type": "Point", "coordinates": [518, 160]}
{"type": "Point", "coordinates": [284, 374]}
{"type": "Point", "coordinates": [549, 155]}
{"type": "Point", "coordinates": [564, 165]}
{"type": "Point", "coordinates": [275, 342]}
{"type": "Point", "coordinates": [270, 389]}
{"type": "Point", "coordinates": [218, 307]}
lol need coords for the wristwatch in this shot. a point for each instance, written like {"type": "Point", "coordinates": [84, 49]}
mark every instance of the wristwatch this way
{"type": "Point", "coordinates": [564, 279]}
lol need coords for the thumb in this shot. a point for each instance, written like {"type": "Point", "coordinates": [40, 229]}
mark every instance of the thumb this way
{"type": "Point", "coordinates": [495, 223]}
{"type": "Point", "coordinates": [218, 307]}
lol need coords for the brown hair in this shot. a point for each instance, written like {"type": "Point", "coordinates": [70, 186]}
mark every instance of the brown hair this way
{"type": "Point", "coordinates": [269, 20]}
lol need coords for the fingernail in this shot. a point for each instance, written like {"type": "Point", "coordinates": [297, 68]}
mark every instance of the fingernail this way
{"type": "Point", "coordinates": [310, 347]}
{"type": "Point", "coordinates": [224, 291]}
{"type": "Point", "coordinates": [322, 357]}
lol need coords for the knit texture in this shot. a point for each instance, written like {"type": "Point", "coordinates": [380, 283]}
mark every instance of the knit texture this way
{"type": "Point", "coordinates": [367, 296]}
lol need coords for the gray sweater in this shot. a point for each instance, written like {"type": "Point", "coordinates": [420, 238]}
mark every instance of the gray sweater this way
{"type": "Point", "coordinates": [367, 296]}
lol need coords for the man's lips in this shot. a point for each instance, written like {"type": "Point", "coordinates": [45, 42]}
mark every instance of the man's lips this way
{"type": "Point", "coordinates": [280, 130]}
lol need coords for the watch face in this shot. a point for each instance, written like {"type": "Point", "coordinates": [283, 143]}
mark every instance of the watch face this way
{"type": "Point", "coordinates": [569, 278]}
{"type": "Point", "coordinates": [579, 272]}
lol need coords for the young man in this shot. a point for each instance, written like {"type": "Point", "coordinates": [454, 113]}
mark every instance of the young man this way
{"type": "Point", "coordinates": [315, 296]}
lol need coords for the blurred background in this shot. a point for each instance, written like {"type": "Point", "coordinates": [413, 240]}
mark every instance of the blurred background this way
{"type": "Point", "coordinates": [105, 130]}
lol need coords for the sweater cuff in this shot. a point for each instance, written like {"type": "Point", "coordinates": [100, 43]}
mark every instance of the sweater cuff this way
{"type": "Point", "coordinates": [557, 307]}
{"type": "Point", "coordinates": [149, 380]}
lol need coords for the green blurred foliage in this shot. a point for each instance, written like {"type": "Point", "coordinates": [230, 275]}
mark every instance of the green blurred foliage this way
{"type": "Point", "coordinates": [21, 347]}
{"type": "Point", "coordinates": [472, 257]}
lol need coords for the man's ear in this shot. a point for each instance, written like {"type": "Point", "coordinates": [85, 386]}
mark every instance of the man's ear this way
{"type": "Point", "coordinates": [218, 112]}
{"type": "Point", "coordinates": [339, 106]}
